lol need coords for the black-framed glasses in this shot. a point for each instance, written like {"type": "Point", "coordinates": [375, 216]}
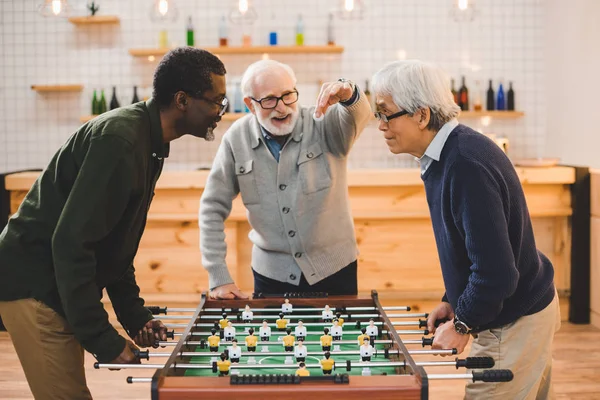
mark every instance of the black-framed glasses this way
{"type": "Point", "coordinates": [222, 104]}
{"type": "Point", "coordinates": [387, 118]}
{"type": "Point", "coordinates": [269, 103]}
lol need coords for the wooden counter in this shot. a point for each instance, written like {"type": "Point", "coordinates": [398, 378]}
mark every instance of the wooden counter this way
{"type": "Point", "coordinates": [595, 248]}
{"type": "Point", "coordinates": [398, 256]}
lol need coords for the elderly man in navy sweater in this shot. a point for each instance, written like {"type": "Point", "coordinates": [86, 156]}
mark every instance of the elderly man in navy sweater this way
{"type": "Point", "coordinates": [499, 287]}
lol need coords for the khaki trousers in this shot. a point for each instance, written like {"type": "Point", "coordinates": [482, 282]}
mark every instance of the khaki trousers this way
{"type": "Point", "coordinates": [50, 355]}
{"type": "Point", "coordinates": [524, 347]}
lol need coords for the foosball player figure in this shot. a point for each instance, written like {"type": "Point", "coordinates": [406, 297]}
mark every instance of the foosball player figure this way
{"type": "Point", "coordinates": [326, 314]}
{"type": "Point", "coordinates": [363, 336]}
{"type": "Point", "coordinates": [251, 341]}
{"type": "Point", "coordinates": [286, 307]}
{"type": "Point", "coordinates": [372, 331]}
{"type": "Point", "coordinates": [224, 364]}
{"type": "Point", "coordinates": [229, 332]}
{"type": "Point", "coordinates": [326, 340]}
{"type": "Point", "coordinates": [366, 350]}
{"type": "Point", "coordinates": [336, 330]}
{"type": "Point", "coordinates": [302, 371]}
{"type": "Point", "coordinates": [288, 340]}
{"type": "Point", "coordinates": [339, 318]}
{"type": "Point", "coordinates": [213, 341]}
{"type": "Point", "coordinates": [327, 364]}
{"type": "Point", "coordinates": [247, 314]}
{"type": "Point", "coordinates": [235, 351]}
{"type": "Point", "coordinates": [264, 332]}
{"type": "Point", "coordinates": [223, 322]}
{"type": "Point", "coordinates": [300, 351]}
{"type": "Point", "coordinates": [300, 330]}
{"type": "Point", "coordinates": [281, 323]}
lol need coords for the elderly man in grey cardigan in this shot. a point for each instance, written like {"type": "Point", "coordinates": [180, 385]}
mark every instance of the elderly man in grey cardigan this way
{"type": "Point", "coordinates": [289, 165]}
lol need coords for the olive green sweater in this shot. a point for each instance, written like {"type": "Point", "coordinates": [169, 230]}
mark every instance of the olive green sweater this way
{"type": "Point", "coordinates": [78, 229]}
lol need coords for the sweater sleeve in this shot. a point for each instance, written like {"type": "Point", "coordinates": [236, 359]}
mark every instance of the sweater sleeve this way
{"type": "Point", "coordinates": [480, 210]}
{"type": "Point", "coordinates": [95, 204]}
{"type": "Point", "coordinates": [215, 206]}
{"type": "Point", "coordinates": [343, 124]}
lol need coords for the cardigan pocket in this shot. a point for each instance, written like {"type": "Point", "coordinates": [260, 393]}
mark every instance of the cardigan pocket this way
{"type": "Point", "coordinates": [313, 169]}
{"type": "Point", "coordinates": [247, 182]}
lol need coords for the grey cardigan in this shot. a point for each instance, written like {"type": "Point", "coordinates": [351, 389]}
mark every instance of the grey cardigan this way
{"type": "Point", "coordinates": [298, 209]}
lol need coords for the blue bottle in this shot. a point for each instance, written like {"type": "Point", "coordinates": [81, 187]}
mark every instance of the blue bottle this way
{"type": "Point", "coordinates": [500, 104]}
{"type": "Point", "coordinates": [273, 32]}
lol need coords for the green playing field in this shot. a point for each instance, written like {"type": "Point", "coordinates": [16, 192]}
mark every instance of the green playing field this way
{"type": "Point", "coordinates": [204, 356]}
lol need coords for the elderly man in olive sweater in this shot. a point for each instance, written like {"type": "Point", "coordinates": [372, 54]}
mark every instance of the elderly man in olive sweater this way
{"type": "Point", "coordinates": [499, 287]}
{"type": "Point", "coordinates": [78, 229]}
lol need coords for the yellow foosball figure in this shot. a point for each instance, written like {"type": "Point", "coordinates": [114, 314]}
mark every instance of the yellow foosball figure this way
{"type": "Point", "coordinates": [326, 340]}
{"type": "Point", "coordinates": [251, 340]}
{"type": "Point", "coordinates": [223, 322]}
{"type": "Point", "coordinates": [281, 323]}
{"type": "Point", "coordinates": [289, 340]}
{"type": "Point", "coordinates": [302, 371]}
{"type": "Point", "coordinates": [223, 365]}
{"type": "Point", "coordinates": [339, 318]}
{"type": "Point", "coordinates": [213, 340]}
{"type": "Point", "coordinates": [327, 364]}
{"type": "Point", "coordinates": [361, 338]}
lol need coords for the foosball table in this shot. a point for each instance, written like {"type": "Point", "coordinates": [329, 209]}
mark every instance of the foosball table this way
{"type": "Point", "coordinates": [294, 346]}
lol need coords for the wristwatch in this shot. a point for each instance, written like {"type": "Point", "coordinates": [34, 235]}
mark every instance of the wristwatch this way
{"type": "Point", "coordinates": [352, 86]}
{"type": "Point", "coordinates": [461, 327]}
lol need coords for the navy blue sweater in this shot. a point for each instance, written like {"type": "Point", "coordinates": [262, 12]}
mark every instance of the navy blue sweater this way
{"type": "Point", "coordinates": [493, 272]}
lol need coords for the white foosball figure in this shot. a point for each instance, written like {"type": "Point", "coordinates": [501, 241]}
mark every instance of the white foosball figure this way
{"type": "Point", "coordinates": [286, 307]}
{"type": "Point", "coordinates": [366, 351]}
{"type": "Point", "coordinates": [300, 351]}
{"type": "Point", "coordinates": [235, 352]}
{"type": "Point", "coordinates": [336, 330]}
{"type": "Point", "coordinates": [326, 314]}
{"type": "Point", "coordinates": [265, 335]}
{"type": "Point", "coordinates": [229, 332]}
{"type": "Point", "coordinates": [372, 329]}
{"type": "Point", "coordinates": [300, 330]}
{"type": "Point", "coordinates": [247, 315]}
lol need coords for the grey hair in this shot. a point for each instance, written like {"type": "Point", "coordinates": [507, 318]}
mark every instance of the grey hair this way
{"type": "Point", "coordinates": [259, 67]}
{"type": "Point", "coordinates": [415, 85]}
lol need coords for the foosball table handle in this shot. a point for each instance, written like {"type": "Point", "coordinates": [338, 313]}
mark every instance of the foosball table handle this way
{"type": "Point", "coordinates": [428, 341]}
{"type": "Point", "coordinates": [493, 375]}
{"type": "Point", "coordinates": [142, 354]}
{"type": "Point", "coordinates": [156, 310]}
{"type": "Point", "coordinates": [171, 334]}
{"type": "Point", "coordinates": [475, 362]}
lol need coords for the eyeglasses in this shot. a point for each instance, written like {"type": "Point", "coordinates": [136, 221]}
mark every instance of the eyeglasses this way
{"type": "Point", "coordinates": [222, 104]}
{"type": "Point", "coordinates": [271, 102]}
{"type": "Point", "coordinates": [387, 118]}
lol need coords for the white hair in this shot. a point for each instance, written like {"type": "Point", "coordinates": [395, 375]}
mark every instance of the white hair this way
{"type": "Point", "coordinates": [259, 67]}
{"type": "Point", "coordinates": [415, 85]}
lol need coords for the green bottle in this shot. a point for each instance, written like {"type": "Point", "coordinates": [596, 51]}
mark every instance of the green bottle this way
{"type": "Point", "coordinates": [190, 32]}
{"type": "Point", "coordinates": [102, 103]}
{"type": "Point", "coordinates": [94, 104]}
{"type": "Point", "coordinates": [300, 31]}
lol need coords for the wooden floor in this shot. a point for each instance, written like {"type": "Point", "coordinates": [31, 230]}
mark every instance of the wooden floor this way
{"type": "Point", "coordinates": [576, 371]}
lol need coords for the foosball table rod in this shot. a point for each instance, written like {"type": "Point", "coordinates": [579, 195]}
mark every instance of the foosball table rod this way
{"type": "Point", "coordinates": [283, 333]}
{"type": "Point", "coordinates": [259, 318]}
{"type": "Point", "coordinates": [420, 323]}
{"type": "Point", "coordinates": [424, 342]}
{"type": "Point", "coordinates": [147, 355]}
{"type": "Point", "coordinates": [156, 310]}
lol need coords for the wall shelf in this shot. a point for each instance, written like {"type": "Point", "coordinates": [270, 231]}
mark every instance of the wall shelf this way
{"type": "Point", "coordinates": [86, 118]}
{"type": "Point", "coordinates": [56, 88]}
{"type": "Point", "coordinates": [248, 50]}
{"type": "Point", "coordinates": [95, 20]}
{"type": "Point", "coordinates": [225, 117]}
{"type": "Point", "coordinates": [491, 114]}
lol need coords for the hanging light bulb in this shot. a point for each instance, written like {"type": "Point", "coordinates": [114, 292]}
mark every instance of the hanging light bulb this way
{"type": "Point", "coordinates": [463, 11]}
{"type": "Point", "coordinates": [163, 10]}
{"type": "Point", "coordinates": [54, 8]}
{"type": "Point", "coordinates": [244, 14]}
{"type": "Point", "coordinates": [352, 9]}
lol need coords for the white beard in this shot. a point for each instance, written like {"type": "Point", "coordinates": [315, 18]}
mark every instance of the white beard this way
{"type": "Point", "coordinates": [210, 135]}
{"type": "Point", "coordinates": [282, 130]}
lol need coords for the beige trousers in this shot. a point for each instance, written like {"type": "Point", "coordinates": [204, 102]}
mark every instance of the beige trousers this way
{"type": "Point", "coordinates": [524, 347]}
{"type": "Point", "coordinates": [50, 355]}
